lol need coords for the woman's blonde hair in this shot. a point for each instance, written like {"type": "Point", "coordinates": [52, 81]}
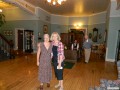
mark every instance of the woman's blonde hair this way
{"type": "Point", "coordinates": [58, 36]}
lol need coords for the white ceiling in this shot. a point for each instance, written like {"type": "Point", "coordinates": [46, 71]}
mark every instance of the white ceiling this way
{"type": "Point", "coordinates": [73, 7]}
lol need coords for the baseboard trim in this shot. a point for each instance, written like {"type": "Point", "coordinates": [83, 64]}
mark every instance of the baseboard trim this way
{"type": "Point", "coordinates": [110, 60]}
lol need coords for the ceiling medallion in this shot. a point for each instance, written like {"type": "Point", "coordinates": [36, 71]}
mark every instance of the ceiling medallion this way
{"type": "Point", "coordinates": [56, 2]}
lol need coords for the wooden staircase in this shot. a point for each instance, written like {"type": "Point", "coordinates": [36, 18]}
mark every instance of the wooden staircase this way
{"type": "Point", "coordinates": [6, 48]}
{"type": "Point", "coordinates": [3, 55]}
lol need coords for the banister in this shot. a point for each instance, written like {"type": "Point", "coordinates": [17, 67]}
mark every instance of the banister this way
{"type": "Point", "coordinates": [5, 39]}
{"type": "Point", "coordinates": [9, 45]}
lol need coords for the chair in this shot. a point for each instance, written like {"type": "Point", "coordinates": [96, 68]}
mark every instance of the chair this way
{"type": "Point", "coordinates": [101, 51]}
{"type": "Point", "coordinates": [94, 50]}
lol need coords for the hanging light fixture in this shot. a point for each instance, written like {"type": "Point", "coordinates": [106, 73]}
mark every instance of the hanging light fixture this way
{"type": "Point", "coordinates": [55, 2]}
{"type": "Point", "coordinates": [0, 10]}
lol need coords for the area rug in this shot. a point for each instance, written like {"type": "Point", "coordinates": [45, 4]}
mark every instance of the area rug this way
{"type": "Point", "coordinates": [68, 65]}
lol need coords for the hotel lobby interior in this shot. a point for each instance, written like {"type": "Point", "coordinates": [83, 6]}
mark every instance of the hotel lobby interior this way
{"type": "Point", "coordinates": [23, 24]}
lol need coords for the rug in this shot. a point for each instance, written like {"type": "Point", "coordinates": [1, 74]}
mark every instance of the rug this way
{"type": "Point", "coordinates": [68, 65]}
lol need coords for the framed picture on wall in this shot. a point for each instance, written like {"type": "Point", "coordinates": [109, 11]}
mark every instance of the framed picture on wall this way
{"type": "Point", "coordinates": [90, 35]}
{"type": "Point", "coordinates": [10, 33]}
{"type": "Point", "coordinates": [5, 32]}
{"type": "Point", "coordinates": [105, 36]}
{"type": "Point", "coordinates": [95, 34]}
{"type": "Point", "coordinates": [45, 29]}
{"type": "Point", "coordinates": [39, 35]}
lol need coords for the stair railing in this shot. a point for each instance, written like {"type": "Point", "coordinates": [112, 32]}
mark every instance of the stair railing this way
{"type": "Point", "coordinates": [5, 45]}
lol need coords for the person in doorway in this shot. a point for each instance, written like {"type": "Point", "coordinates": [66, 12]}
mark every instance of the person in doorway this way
{"type": "Point", "coordinates": [87, 48]}
{"type": "Point", "coordinates": [75, 45]}
{"type": "Point", "coordinates": [44, 61]}
{"type": "Point", "coordinates": [58, 58]}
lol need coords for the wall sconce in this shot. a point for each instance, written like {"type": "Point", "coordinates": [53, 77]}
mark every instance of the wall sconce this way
{"type": "Point", "coordinates": [0, 10]}
{"type": "Point", "coordinates": [78, 25]}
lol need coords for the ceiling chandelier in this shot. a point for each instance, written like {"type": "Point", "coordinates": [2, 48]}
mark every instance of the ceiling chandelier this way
{"type": "Point", "coordinates": [56, 2]}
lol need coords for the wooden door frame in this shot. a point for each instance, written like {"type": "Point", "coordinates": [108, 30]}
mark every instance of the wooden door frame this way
{"type": "Point", "coordinates": [16, 38]}
{"type": "Point", "coordinates": [117, 47]}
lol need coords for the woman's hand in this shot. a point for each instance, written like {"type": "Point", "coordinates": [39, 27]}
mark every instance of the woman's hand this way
{"type": "Point", "coordinates": [38, 63]}
{"type": "Point", "coordinates": [59, 65]}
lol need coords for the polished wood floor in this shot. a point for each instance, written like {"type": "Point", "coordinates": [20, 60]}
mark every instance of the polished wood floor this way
{"type": "Point", "coordinates": [22, 74]}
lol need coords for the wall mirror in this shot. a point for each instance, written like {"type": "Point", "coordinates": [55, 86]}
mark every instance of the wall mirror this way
{"type": "Point", "coordinates": [95, 34]}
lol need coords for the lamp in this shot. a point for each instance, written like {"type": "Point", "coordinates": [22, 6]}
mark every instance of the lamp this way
{"type": "Point", "coordinates": [55, 2]}
{"type": "Point", "coordinates": [0, 10]}
{"type": "Point", "coordinates": [78, 25]}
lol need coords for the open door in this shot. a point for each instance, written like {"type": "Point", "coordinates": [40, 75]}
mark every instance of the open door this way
{"type": "Point", "coordinates": [20, 40]}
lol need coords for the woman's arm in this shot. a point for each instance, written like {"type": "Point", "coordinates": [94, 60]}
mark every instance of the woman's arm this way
{"type": "Point", "coordinates": [72, 47]}
{"type": "Point", "coordinates": [77, 46]}
{"type": "Point", "coordinates": [60, 53]}
{"type": "Point", "coordinates": [51, 55]}
{"type": "Point", "coordinates": [38, 54]}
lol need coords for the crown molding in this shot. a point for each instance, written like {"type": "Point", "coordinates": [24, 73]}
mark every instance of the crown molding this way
{"type": "Point", "coordinates": [98, 13]}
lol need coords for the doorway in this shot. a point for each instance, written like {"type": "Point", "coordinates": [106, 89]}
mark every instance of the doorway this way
{"type": "Point", "coordinates": [20, 40]}
{"type": "Point", "coordinates": [118, 47]}
{"type": "Point", "coordinates": [79, 36]}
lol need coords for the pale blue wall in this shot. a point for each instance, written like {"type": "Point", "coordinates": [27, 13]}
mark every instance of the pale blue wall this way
{"type": "Point", "coordinates": [25, 24]}
{"type": "Point", "coordinates": [97, 18]}
{"type": "Point", "coordinates": [35, 25]}
{"type": "Point", "coordinates": [59, 28]}
{"type": "Point", "coordinates": [114, 26]}
{"type": "Point", "coordinates": [40, 27]}
{"type": "Point", "coordinates": [98, 21]}
{"type": "Point", "coordinates": [62, 24]}
{"type": "Point", "coordinates": [59, 24]}
{"type": "Point", "coordinates": [56, 23]}
{"type": "Point", "coordinates": [101, 30]}
{"type": "Point", "coordinates": [18, 18]}
{"type": "Point", "coordinates": [77, 20]}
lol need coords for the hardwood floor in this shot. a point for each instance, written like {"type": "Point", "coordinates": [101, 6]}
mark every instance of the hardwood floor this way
{"type": "Point", "coordinates": [22, 74]}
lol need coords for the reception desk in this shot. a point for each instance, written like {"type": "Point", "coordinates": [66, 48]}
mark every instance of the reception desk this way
{"type": "Point", "coordinates": [70, 55]}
